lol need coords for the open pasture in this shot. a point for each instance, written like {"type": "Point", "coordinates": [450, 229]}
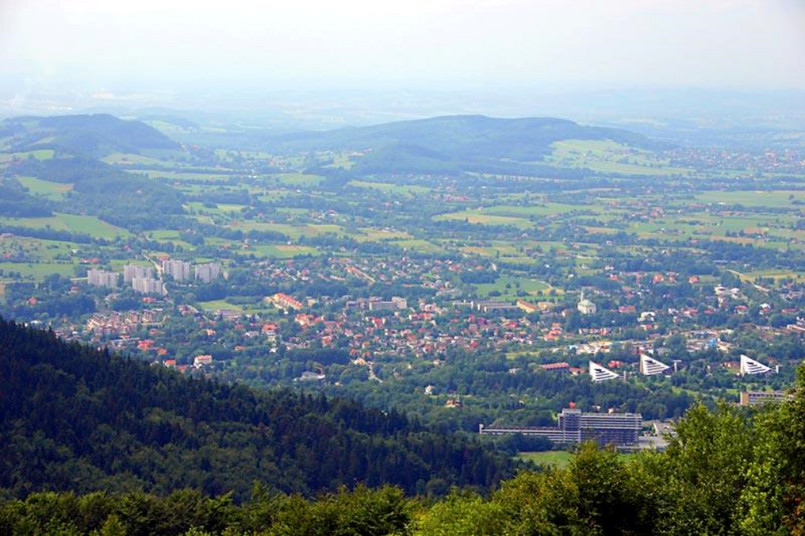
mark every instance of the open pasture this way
{"type": "Point", "coordinates": [791, 199]}
{"type": "Point", "coordinates": [478, 217]}
{"type": "Point", "coordinates": [37, 271]}
{"type": "Point", "coordinates": [39, 154]}
{"type": "Point", "coordinates": [299, 179]}
{"type": "Point", "coordinates": [74, 223]}
{"type": "Point", "coordinates": [508, 287]}
{"type": "Point", "coordinates": [50, 190]}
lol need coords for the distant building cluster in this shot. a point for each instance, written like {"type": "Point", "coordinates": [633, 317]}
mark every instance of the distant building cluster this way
{"type": "Point", "coordinates": [143, 280]}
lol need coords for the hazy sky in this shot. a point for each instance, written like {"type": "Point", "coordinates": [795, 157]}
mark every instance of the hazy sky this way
{"type": "Point", "coordinates": [119, 45]}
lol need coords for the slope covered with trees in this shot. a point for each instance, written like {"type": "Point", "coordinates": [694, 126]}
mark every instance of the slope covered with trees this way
{"type": "Point", "coordinates": [727, 472]}
{"type": "Point", "coordinates": [89, 135]}
{"type": "Point", "coordinates": [455, 144]}
{"type": "Point", "coordinates": [73, 418]}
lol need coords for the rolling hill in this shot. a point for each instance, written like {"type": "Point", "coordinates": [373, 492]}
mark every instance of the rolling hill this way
{"type": "Point", "coordinates": [455, 143]}
{"type": "Point", "coordinates": [94, 135]}
{"type": "Point", "coordinates": [73, 418]}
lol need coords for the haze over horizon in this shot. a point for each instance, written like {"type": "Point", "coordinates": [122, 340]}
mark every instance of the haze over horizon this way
{"type": "Point", "coordinates": [166, 52]}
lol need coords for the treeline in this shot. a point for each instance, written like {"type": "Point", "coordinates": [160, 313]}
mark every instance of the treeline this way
{"type": "Point", "coordinates": [15, 202]}
{"type": "Point", "coordinates": [73, 418]}
{"type": "Point", "coordinates": [726, 472]}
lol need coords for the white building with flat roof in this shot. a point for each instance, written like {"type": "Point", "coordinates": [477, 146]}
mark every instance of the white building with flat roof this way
{"type": "Point", "coordinates": [102, 278]}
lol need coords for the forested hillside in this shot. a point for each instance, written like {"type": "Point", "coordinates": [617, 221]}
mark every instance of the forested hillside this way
{"type": "Point", "coordinates": [72, 418]}
{"type": "Point", "coordinates": [726, 473]}
{"type": "Point", "coordinates": [89, 135]}
{"type": "Point", "coordinates": [455, 144]}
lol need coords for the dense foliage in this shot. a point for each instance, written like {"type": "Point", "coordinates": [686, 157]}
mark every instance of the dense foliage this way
{"type": "Point", "coordinates": [129, 200]}
{"type": "Point", "coordinates": [72, 418]}
{"type": "Point", "coordinates": [725, 472]}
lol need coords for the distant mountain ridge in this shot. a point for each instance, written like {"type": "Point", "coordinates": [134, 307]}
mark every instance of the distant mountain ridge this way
{"type": "Point", "coordinates": [93, 135]}
{"type": "Point", "coordinates": [456, 143]}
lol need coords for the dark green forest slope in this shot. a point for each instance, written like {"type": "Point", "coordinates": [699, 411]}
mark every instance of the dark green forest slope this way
{"type": "Point", "coordinates": [73, 418]}
{"type": "Point", "coordinates": [726, 473]}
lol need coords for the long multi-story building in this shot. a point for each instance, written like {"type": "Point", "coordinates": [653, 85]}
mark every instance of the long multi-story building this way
{"type": "Point", "coordinates": [132, 271]}
{"type": "Point", "coordinates": [752, 398]}
{"type": "Point", "coordinates": [208, 272]}
{"type": "Point", "coordinates": [178, 270]}
{"type": "Point", "coordinates": [102, 278]}
{"type": "Point", "coordinates": [620, 429]}
{"type": "Point", "coordinates": [147, 285]}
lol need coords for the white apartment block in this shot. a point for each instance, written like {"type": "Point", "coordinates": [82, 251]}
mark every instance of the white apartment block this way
{"type": "Point", "coordinates": [147, 285]}
{"type": "Point", "coordinates": [179, 270]}
{"type": "Point", "coordinates": [102, 278]}
{"type": "Point", "coordinates": [132, 271]}
{"type": "Point", "coordinates": [208, 272]}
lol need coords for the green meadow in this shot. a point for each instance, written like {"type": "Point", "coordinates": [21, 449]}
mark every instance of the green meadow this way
{"type": "Point", "coordinates": [51, 190]}
{"type": "Point", "coordinates": [74, 223]}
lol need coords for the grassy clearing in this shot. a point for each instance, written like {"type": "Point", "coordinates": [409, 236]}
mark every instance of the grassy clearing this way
{"type": "Point", "coordinates": [524, 211]}
{"type": "Point", "coordinates": [478, 217]}
{"type": "Point", "coordinates": [422, 246]}
{"type": "Point", "coordinates": [219, 305]}
{"type": "Point", "coordinates": [506, 288]}
{"type": "Point", "coordinates": [608, 156]}
{"type": "Point", "coordinates": [36, 271]}
{"type": "Point", "coordinates": [341, 161]}
{"type": "Point", "coordinates": [776, 199]}
{"type": "Point", "coordinates": [39, 154]}
{"type": "Point", "coordinates": [221, 209]}
{"type": "Point", "coordinates": [749, 277]}
{"type": "Point", "coordinates": [187, 176]}
{"type": "Point", "coordinates": [299, 179]}
{"type": "Point", "coordinates": [371, 234]}
{"type": "Point", "coordinates": [502, 251]}
{"type": "Point", "coordinates": [74, 223]}
{"type": "Point", "coordinates": [555, 458]}
{"type": "Point", "coordinates": [560, 458]}
{"type": "Point", "coordinates": [283, 251]}
{"type": "Point", "coordinates": [51, 190]}
{"type": "Point", "coordinates": [36, 249]}
{"type": "Point", "coordinates": [292, 231]}
{"type": "Point", "coordinates": [131, 159]}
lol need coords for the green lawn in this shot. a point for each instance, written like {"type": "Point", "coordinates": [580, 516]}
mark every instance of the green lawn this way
{"type": "Point", "coordinates": [774, 199]}
{"type": "Point", "coordinates": [39, 154]}
{"type": "Point", "coordinates": [482, 218]}
{"type": "Point", "coordinates": [607, 156]}
{"type": "Point", "coordinates": [38, 271]}
{"type": "Point", "coordinates": [555, 458]}
{"type": "Point", "coordinates": [51, 190]}
{"type": "Point", "coordinates": [559, 458]}
{"type": "Point", "coordinates": [529, 286]}
{"type": "Point", "coordinates": [74, 223]}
